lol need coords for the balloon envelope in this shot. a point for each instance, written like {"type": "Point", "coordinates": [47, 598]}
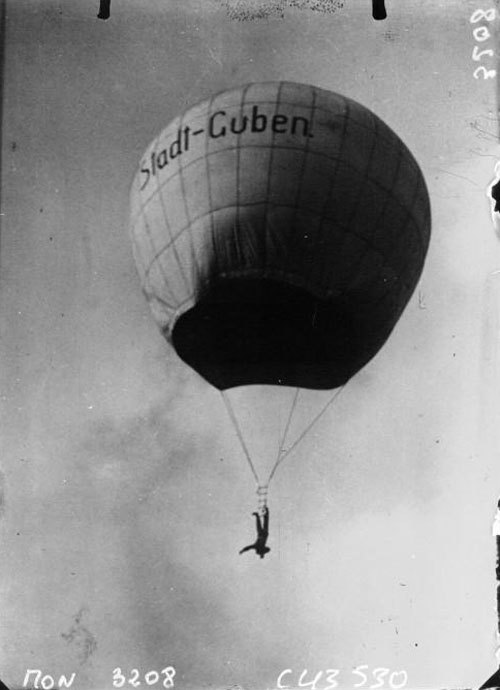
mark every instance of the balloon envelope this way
{"type": "Point", "coordinates": [279, 231]}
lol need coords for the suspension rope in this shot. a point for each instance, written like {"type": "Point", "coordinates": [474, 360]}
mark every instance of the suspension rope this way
{"type": "Point", "coordinates": [262, 489]}
{"type": "Point", "coordinates": [288, 422]}
{"type": "Point", "coordinates": [236, 426]}
{"type": "Point", "coordinates": [285, 453]}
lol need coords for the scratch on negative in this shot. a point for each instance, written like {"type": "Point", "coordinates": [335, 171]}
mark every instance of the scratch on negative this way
{"type": "Point", "coordinates": [448, 172]}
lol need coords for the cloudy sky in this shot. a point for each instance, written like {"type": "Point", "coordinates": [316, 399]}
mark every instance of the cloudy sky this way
{"type": "Point", "coordinates": [125, 495]}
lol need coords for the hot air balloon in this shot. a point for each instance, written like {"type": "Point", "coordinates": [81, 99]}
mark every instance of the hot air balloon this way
{"type": "Point", "coordinates": [279, 230]}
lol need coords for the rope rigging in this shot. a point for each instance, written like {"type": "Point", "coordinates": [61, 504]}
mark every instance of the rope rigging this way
{"type": "Point", "coordinates": [288, 422]}
{"type": "Point", "coordinates": [262, 489]}
{"type": "Point", "coordinates": [285, 453]}
{"type": "Point", "coordinates": [236, 426]}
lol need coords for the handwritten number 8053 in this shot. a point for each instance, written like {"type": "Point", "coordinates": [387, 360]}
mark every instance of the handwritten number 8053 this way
{"type": "Point", "coordinates": [481, 34]}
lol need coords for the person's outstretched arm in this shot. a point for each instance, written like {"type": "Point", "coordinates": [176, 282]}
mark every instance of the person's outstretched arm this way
{"type": "Point", "coordinates": [266, 520]}
{"type": "Point", "coordinates": [104, 10]}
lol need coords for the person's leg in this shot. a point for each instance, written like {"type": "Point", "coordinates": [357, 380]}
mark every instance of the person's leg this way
{"type": "Point", "coordinates": [258, 524]}
{"type": "Point", "coordinates": [378, 9]}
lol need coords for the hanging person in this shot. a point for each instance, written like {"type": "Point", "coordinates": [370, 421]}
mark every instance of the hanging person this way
{"type": "Point", "coordinates": [262, 534]}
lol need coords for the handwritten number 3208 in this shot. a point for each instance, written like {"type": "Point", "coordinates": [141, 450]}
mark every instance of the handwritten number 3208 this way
{"type": "Point", "coordinates": [151, 678]}
{"type": "Point", "coordinates": [481, 33]}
